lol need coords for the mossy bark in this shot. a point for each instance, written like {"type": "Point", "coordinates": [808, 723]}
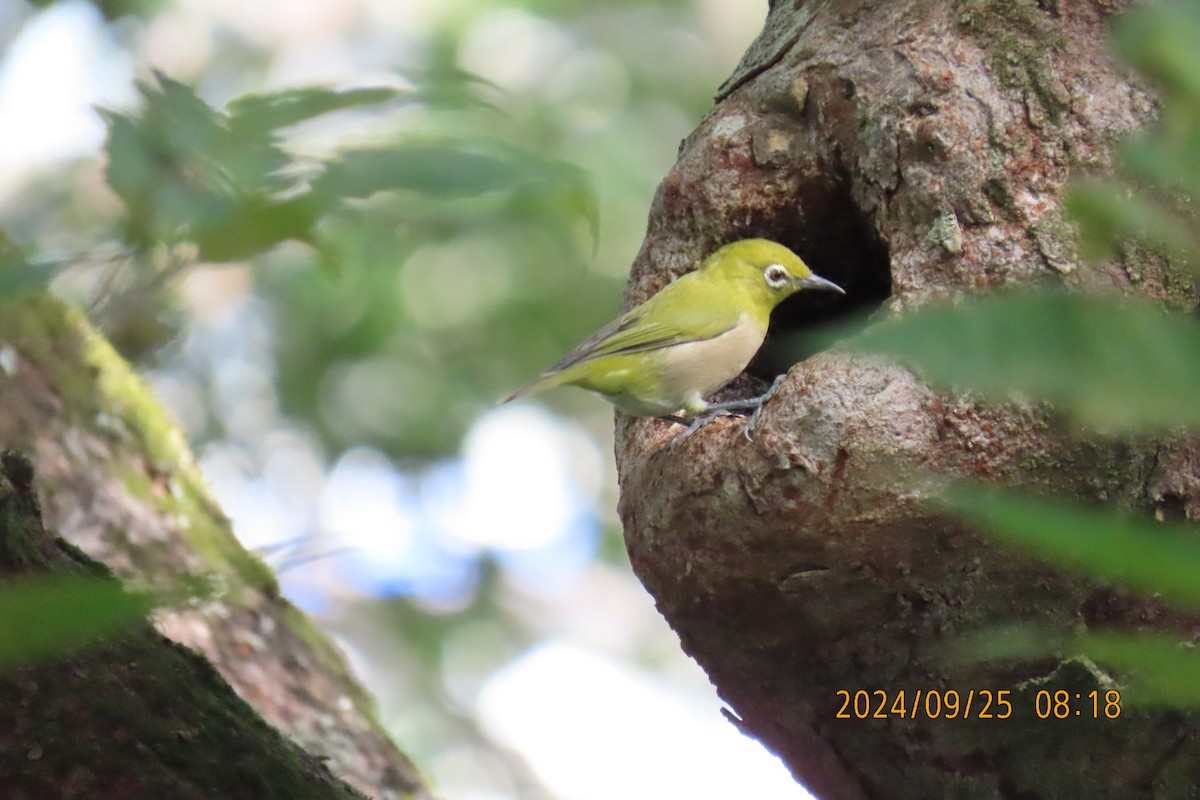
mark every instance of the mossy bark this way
{"type": "Point", "coordinates": [910, 151]}
{"type": "Point", "coordinates": [134, 715]}
{"type": "Point", "coordinates": [116, 479]}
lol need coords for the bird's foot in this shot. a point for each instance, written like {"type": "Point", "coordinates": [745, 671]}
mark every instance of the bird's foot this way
{"type": "Point", "coordinates": [696, 424]}
{"type": "Point", "coordinates": [762, 399]}
{"type": "Point", "coordinates": [752, 406]}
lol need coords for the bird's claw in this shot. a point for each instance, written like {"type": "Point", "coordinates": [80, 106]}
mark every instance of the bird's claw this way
{"type": "Point", "coordinates": [753, 407]}
{"type": "Point", "coordinates": [763, 399]}
{"type": "Point", "coordinates": [696, 424]}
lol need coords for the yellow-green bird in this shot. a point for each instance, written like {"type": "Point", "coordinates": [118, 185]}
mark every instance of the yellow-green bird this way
{"type": "Point", "coordinates": [690, 339]}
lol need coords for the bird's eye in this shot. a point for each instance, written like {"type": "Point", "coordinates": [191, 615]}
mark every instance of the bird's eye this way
{"type": "Point", "coordinates": [776, 275]}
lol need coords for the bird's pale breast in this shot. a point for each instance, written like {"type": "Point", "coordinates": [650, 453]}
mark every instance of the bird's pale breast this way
{"type": "Point", "coordinates": [709, 364]}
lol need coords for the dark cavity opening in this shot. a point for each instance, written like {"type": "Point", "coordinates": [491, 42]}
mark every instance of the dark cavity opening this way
{"type": "Point", "coordinates": [838, 242]}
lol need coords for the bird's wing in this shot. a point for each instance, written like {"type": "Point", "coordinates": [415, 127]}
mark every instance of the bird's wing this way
{"type": "Point", "coordinates": [634, 333]}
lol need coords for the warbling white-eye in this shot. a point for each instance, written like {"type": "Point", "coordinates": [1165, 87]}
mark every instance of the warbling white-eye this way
{"type": "Point", "coordinates": [690, 339]}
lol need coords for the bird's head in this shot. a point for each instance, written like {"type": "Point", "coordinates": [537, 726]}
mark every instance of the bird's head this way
{"type": "Point", "coordinates": [766, 271]}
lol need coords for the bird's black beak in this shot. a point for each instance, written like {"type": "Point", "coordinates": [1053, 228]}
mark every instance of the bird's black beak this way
{"type": "Point", "coordinates": [817, 282]}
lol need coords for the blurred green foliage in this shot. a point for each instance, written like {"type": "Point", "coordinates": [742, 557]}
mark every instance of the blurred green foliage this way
{"type": "Point", "coordinates": [1151, 196]}
{"type": "Point", "coordinates": [114, 9]}
{"type": "Point", "coordinates": [394, 258]}
{"type": "Point", "coordinates": [1112, 363]}
{"type": "Point", "coordinates": [225, 182]}
{"type": "Point", "coordinates": [1156, 670]}
{"type": "Point", "coordinates": [374, 346]}
{"type": "Point", "coordinates": [458, 236]}
{"type": "Point", "coordinates": [187, 172]}
{"type": "Point", "coordinates": [1153, 557]}
{"type": "Point", "coordinates": [46, 615]}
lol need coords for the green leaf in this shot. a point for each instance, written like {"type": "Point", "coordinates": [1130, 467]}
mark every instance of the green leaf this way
{"type": "Point", "coordinates": [531, 186]}
{"type": "Point", "coordinates": [177, 165]}
{"type": "Point", "coordinates": [1107, 361]}
{"type": "Point", "coordinates": [45, 616]}
{"type": "Point", "coordinates": [187, 172]}
{"type": "Point", "coordinates": [1153, 669]}
{"type": "Point", "coordinates": [447, 86]}
{"type": "Point", "coordinates": [263, 113]}
{"type": "Point", "coordinates": [224, 181]}
{"type": "Point", "coordinates": [1108, 213]}
{"type": "Point", "coordinates": [254, 226]}
{"type": "Point", "coordinates": [437, 169]}
{"type": "Point", "coordinates": [1156, 558]}
{"type": "Point", "coordinates": [1168, 157]}
{"type": "Point", "coordinates": [1150, 669]}
{"type": "Point", "coordinates": [1160, 40]}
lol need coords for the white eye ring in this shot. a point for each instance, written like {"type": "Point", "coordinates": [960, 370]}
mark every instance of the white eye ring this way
{"type": "Point", "coordinates": [777, 276]}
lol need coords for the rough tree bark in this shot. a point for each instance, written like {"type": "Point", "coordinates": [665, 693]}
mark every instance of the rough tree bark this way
{"type": "Point", "coordinates": [910, 150]}
{"type": "Point", "coordinates": [116, 480]}
{"type": "Point", "coordinates": [134, 715]}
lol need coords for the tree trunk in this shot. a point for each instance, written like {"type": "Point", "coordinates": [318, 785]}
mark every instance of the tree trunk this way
{"type": "Point", "coordinates": [117, 480]}
{"type": "Point", "coordinates": [134, 715]}
{"type": "Point", "coordinates": [909, 151]}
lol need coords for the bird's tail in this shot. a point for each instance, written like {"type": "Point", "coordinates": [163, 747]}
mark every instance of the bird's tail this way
{"type": "Point", "coordinates": [547, 380]}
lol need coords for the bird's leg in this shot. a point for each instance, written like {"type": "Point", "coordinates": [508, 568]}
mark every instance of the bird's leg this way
{"type": "Point", "coordinates": [696, 424]}
{"type": "Point", "coordinates": [751, 406]}
{"type": "Point", "coordinates": [762, 399]}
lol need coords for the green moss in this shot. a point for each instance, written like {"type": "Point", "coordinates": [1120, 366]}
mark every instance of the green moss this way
{"type": "Point", "coordinates": [103, 396]}
{"type": "Point", "coordinates": [1053, 225]}
{"type": "Point", "coordinates": [200, 521]}
{"type": "Point", "coordinates": [1150, 265]}
{"type": "Point", "coordinates": [134, 715]}
{"type": "Point", "coordinates": [1017, 35]}
{"type": "Point", "coordinates": [144, 713]}
{"type": "Point", "coordinates": [99, 390]}
{"type": "Point", "coordinates": [17, 544]}
{"type": "Point", "coordinates": [332, 662]}
{"type": "Point", "coordinates": [1035, 462]}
